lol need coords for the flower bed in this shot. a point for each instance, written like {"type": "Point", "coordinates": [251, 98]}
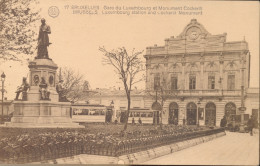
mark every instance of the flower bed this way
{"type": "Point", "coordinates": [56, 143]}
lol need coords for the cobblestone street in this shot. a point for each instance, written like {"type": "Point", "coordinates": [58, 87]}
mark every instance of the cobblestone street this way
{"type": "Point", "coordinates": [232, 149]}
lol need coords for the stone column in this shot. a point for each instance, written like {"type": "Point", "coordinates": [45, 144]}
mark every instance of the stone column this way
{"type": "Point", "coordinates": [183, 62]}
{"type": "Point", "coordinates": [221, 62]}
{"type": "Point", "coordinates": [148, 72]}
{"type": "Point", "coordinates": [201, 76]}
{"type": "Point", "coordinates": [201, 71]}
{"type": "Point", "coordinates": [242, 76]}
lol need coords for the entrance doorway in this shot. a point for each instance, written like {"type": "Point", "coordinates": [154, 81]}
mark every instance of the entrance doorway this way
{"type": "Point", "coordinates": [191, 113]}
{"type": "Point", "coordinates": [230, 111]}
{"type": "Point", "coordinates": [156, 107]}
{"type": "Point", "coordinates": [210, 114]}
{"type": "Point", "coordinates": [173, 113]}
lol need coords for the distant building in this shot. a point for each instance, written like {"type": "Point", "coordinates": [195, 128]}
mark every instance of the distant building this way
{"type": "Point", "coordinates": [252, 102]}
{"type": "Point", "coordinates": [106, 96]}
{"type": "Point", "coordinates": [8, 107]}
{"type": "Point", "coordinates": [199, 71]}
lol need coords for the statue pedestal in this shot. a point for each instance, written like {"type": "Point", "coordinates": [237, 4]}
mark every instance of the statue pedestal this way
{"type": "Point", "coordinates": [36, 113]}
{"type": "Point", "coordinates": [42, 114]}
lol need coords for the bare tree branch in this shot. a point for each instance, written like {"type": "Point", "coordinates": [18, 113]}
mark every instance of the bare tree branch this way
{"type": "Point", "coordinates": [73, 84]}
{"type": "Point", "coordinates": [127, 67]}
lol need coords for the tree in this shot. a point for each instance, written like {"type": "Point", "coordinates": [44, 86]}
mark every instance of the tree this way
{"type": "Point", "coordinates": [162, 91]}
{"type": "Point", "coordinates": [127, 67]}
{"type": "Point", "coordinates": [73, 84]}
{"type": "Point", "coordinates": [17, 20]}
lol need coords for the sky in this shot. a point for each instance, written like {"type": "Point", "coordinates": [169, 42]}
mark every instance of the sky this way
{"type": "Point", "coordinates": [76, 38]}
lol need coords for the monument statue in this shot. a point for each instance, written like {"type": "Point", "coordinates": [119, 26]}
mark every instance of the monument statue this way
{"type": "Point", "coordinates": [60, 90]}
{"type": "Point", "coordinates": [44, 92]}
{"type": "Point", "coordinates": [43, 41]}
{"type": "Point", "coordinates": [22, 89]}
{"type": "Point", "coordinates": [39, 111]}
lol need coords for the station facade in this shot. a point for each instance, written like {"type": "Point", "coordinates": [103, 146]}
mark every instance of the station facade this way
{"type": "Point", "coordinates": [195, 78]}
{"type": "Point", "coordinates": [198, 77]}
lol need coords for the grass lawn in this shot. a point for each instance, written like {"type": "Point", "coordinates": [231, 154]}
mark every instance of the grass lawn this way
{"type": "Point", "coordinates": [90, 128]}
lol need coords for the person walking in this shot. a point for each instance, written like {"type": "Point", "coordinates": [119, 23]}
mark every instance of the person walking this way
{"type": "Point", "coordinates": [223, 121]}
{"type": "Point", "coordinates": [250, 125]}
{"type": "Point", "coordinates": [133, 121]}
{"type": "Point", "coordinates": [140, 121]}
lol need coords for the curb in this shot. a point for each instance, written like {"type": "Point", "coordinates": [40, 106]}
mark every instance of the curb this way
{"type": "Point", "coordinates": [133, 158]}
{"type": "Point", "coordinates": [139, 157]}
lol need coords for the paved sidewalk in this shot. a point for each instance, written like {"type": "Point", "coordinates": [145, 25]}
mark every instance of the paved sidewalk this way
{"type": "Point", "coordinates": [232, 149]}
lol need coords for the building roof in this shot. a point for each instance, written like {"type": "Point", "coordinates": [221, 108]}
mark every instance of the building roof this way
{"type": "Point", "coordinates": [114, 92]}
{"type": "Point", "coordinates": [253, 90]}
{"type": "Point", "coordinates": [196, 39]}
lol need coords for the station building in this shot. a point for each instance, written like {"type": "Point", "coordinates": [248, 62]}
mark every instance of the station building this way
{"type": "Point", "coordinates": [195, 78]}
{"type": "Point", "coordinates": [199, 76]}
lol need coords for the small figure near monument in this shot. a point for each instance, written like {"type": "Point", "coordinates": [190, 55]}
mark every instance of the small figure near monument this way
{"type": "Point", "coordinates": [140, 121]}
{"type": "Point", "coordinates": [250, 125]}
{"type": "Point", "coordinates": [60, 90]}
{"type": "Point", "coordinates": [43, 41]}
{"type": "Point", "coordinates": [44, 92]}
{"type": "Point", "coordinates": [223, 121]}
{"type": "Point", "coordinates": [133, 121]}
{"type": "Point", "coordinates": [23, 88]}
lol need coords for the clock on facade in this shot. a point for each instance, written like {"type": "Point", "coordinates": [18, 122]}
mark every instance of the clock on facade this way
{"type": "Point", "coordinates": [193, 33]}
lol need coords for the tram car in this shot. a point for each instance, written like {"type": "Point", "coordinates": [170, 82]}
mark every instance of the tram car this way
{"type": "Point", "coordinates": [145, 115]}
{"type": "Point", "coordinates": [90, 113]}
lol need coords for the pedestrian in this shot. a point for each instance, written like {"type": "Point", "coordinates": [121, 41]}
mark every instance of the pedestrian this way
{"type": "Point", "coordinates": [250, 125]}
{"type": "Point", "coordinates": [140, 121]}
{"type": "Point", "coordinates": [223, 121]}
{"type": "Point", "coordinates": [133, 121]}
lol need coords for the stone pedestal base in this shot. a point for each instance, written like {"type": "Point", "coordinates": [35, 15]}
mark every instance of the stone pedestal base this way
{"type": "Point", "coordinates": [42, 114]}
{"type": "Point", "coordinates": [38, 125]}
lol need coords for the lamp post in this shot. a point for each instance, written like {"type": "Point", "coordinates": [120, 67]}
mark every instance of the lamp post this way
{"type": "Point", "coordinates": [198, 124]}
{"type": "Point", "coordinates": [158, 87]}
{"type": "Point", "coordinates": [112, 111]}
{"type": "Point", "coordinates": [3, 80]}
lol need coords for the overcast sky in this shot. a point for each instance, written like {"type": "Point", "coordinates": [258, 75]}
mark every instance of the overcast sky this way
{"type": "Point", "coordinates": [76, 38]}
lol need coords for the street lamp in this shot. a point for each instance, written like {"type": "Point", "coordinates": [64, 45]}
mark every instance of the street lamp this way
{"type": "Point", "coordinates": [3, 80]}
{"type": "Point", "coordinates": [112, 111]}
{"type": "Point", "coordinates": [198, 124]}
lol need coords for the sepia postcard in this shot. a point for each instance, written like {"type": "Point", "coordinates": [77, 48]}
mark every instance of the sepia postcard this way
{"type": "Point", "coordinates": [129, 82]}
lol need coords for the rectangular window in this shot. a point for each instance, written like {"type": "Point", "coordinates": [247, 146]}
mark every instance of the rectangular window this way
{"type": "Point", "coordinates": [192, 82]}
{"type": "Point", "coordinates": [156, 82]}
{"type": "Point", "coordinates": [231, 82]}
{"type": "Point", "coordinates": [174, 82]}
{"type": "Point", "coordinates": [211, 82]}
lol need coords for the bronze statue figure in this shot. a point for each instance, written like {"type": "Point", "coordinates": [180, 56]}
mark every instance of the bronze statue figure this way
{"type": "Point", "coordinates": [43, 40]}
{"type": "Point", "coordinates": [44, 92]}
{"type": "Point", "coordinates": [60, 90]}
{"type": "Point", "coordinates": [23, 88]}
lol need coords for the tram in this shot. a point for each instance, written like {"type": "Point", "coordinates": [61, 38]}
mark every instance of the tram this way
{"type": "Point", "coordinates": [146, 115]}
{"type": "Point", "coordinates": [91, 113]}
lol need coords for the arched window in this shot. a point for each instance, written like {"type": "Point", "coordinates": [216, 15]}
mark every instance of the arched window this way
{"type": "Point", "coordinates": [210, 114]}
{"type": "Point", "coordinates": [230, 111]}
{"type": "Point", "coordinates": [191, 113]}
{"type": "Point", "coordinates": [156, 107]}
{"type": "Point", "coordinates": [173, 113]}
